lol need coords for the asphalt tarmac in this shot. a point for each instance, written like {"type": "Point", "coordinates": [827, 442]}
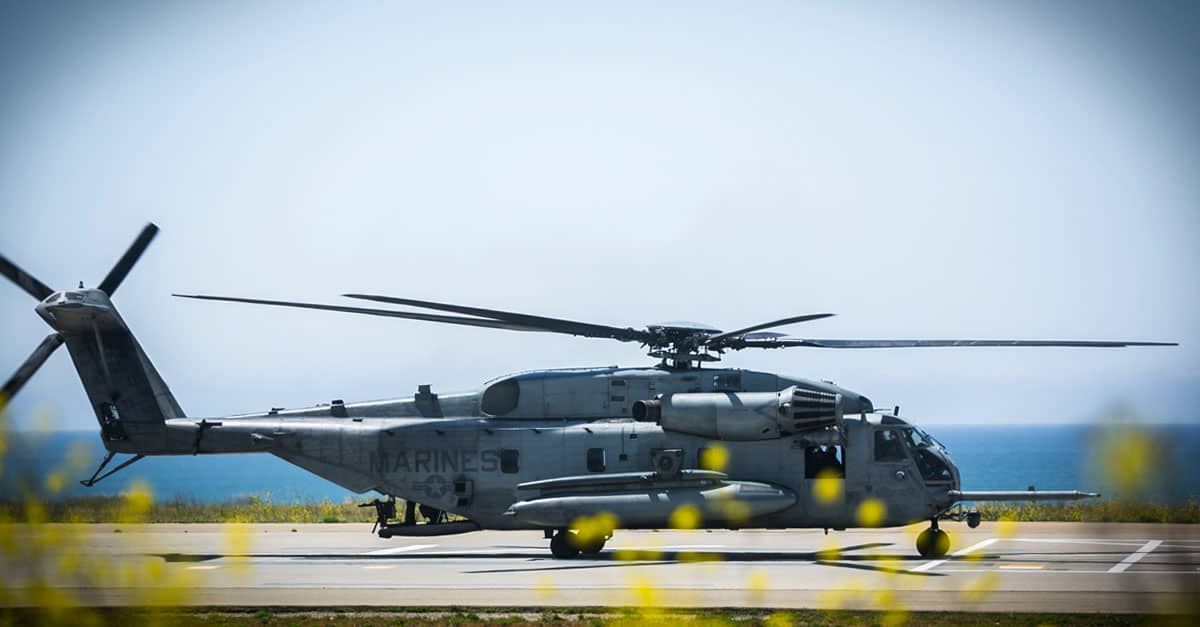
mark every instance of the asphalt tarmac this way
{"type": "Point", "coordinates": [1007, 567]}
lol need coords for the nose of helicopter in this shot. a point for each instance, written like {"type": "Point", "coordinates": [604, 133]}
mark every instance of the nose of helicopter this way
{"type": "Point", "coordinates": [954, 482]}
{"type": "Point", "coordinates": [940, 492]}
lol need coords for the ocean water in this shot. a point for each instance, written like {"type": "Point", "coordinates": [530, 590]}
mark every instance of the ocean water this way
{"type": "Point", "coordinates": [993, 457]}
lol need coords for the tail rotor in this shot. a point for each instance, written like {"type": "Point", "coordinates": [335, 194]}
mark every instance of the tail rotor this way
{"type": "Point", "coordinates": [23, 279]}
{"type": "Point", "coordinates": [126, 262]}
{"type": "Point", "coordinates": [41, 292]}
{"type": "Point", "coordinates": [27, 369]}
{"type": "Point", "coordinates": [38, 290]}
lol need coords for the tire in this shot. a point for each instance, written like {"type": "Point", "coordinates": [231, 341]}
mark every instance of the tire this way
{"type": "Point", "coordinates": [592, 549]}
{"type": "Point", "coordinates": [933, 543]}
{"type": "Point", "coordinates": [561, 546]}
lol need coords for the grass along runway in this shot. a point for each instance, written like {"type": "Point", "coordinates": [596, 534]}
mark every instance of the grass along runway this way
{"type": "Point", "coordinates": [576, 617]}
{"type": "Point", "coordinates": [109, 509]}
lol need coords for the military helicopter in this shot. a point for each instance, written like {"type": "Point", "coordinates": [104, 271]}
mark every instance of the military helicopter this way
{"type": "Point", "coordinates": [577, 453]}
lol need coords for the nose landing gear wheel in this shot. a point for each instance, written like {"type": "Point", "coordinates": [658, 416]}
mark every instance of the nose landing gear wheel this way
{"type": "Point", "coordinates": [561, 545]}
{"type": "Point", "coordinates": [933, 542]}
{"type": "Point", "coordinates": [593, 548]}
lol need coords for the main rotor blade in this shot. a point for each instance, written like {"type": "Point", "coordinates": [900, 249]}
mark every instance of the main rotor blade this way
{"type": "Point", "coordinates": [718, 339]}
{"type": "Point", "coordinates": [27, 369]}
{"type": "Point", "coordinates": [786, 342]}
{"type": "Point", "coordinates": [541, 323]}
{"type": "Point", "coordinates": [125, 263]}
{"type": "Point", "coordinates": [23, 279]}
{"type": "Point", "coordinates": [472, 322]}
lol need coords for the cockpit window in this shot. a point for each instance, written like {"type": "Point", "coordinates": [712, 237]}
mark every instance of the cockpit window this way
{"type": "Point", "coordinates": [915, 439]}
{"type": "Point", "coordinates": [888, 447]}
{"type": "Point", "coordinates": [926, 451]}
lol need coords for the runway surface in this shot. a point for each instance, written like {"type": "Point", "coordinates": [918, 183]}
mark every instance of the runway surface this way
{"type": "Point", "coordinates": [1028, 567]}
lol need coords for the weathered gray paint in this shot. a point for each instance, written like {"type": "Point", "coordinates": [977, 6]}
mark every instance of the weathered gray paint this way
{"type": "Point", "coordinates": [468, 452]}
{"type": "Point", "coordinates": [396, 448]}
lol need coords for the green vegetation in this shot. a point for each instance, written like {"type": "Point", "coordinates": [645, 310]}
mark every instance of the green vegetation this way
{"type": "Point", "coordinates": [571, 617]}
{"type": "Point", "coordinates": [107, 509]}
{"type": "Point", "coordinates": [1094, 511]}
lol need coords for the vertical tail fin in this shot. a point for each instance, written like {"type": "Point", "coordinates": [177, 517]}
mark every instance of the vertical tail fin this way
{"type": "Point", "coordinates": [130, 399]}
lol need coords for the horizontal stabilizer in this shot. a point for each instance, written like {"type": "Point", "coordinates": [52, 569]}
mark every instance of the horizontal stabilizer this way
{"type": "Point", "coordinates": [1023, 495]}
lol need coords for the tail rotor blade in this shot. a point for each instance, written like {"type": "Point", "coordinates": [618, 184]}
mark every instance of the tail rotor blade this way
{"type": "Point", "coordinates": [31, 365]}
{"type": "Point", "coordinates": [125, 263]}
{"type": "Point", "coordinates": [23, 279]}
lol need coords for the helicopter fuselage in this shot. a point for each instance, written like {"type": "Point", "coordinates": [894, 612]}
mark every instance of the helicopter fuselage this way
{"type": "Point", "coordinates": [470, 454]}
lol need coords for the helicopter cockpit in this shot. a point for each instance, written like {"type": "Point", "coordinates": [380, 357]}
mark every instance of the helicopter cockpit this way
{"type": "Point", "coordinates": [932, 460]}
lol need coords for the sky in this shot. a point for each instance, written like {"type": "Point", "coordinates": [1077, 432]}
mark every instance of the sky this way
{"type": "Point", "coordinates": [924, 170]}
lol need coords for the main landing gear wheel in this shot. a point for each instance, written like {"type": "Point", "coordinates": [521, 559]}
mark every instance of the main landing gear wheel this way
{"type": "Point", "coordinates": [561, 545]}
{"type": "Point", "coordinates": [933, 542]}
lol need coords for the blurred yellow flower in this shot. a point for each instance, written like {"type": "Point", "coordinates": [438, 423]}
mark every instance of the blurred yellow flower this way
{"type": "Point", "coordinates": [871, 513]}
{"type": "Point", "coordinates": [827, 488]}
{"type": "Point", "coordinates": [686, 516]}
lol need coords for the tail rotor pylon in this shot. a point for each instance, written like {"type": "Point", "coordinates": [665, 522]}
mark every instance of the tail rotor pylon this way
{"type": "Point", "coordinates": [45, 296]}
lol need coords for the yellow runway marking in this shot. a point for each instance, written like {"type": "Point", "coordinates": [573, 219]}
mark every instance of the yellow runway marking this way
{"type": "Point", "coordinates": [1022, 566]}
{"type": "Point", "coordinates": [379, 566]}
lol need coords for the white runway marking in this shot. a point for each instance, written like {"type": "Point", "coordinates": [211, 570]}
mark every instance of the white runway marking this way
{"type": "Point", "coordinates": [1077, 541]}
{"type": "Point", "coordinates": [203, 567]}
{"type": "Point", "coordinates": [1135, 556]}
{"type": "Point", "coordinates": [1064, 573]}
{"type": "Point", "coordinates": [672, 547]}
{"type": "Point", "coordinates": [927, 566]}
{"type": "Point", "coordinates": [400, 549]}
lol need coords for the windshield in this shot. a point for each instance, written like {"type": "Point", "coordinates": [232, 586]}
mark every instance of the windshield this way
{"type": "Point", "coordinates": [926, 452]}
{"type": "Point", "coordinates": [917, 438]}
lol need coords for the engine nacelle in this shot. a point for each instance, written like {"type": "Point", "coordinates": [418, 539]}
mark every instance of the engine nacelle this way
{"type": "Point", "coordinates": [743, 415]}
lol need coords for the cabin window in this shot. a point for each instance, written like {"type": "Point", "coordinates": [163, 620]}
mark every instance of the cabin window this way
{"type": "Point", "coordinates": [888, 446]}
{"type": "Point", "coordinates": [729, 382]}
{"type": "Point", "coordinates": [824, 461]}
{"type": "Point", "coordinates": [510, 460]}
{"type": "Point", "coordinates": [595, 460]}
